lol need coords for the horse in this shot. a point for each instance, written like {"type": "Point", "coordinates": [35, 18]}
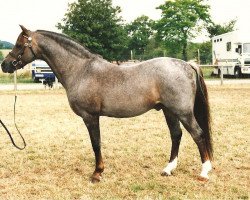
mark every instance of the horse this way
{"type": "Point", "coordinates": [96, 87]}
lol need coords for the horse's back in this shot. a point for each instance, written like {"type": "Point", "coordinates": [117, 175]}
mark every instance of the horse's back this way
{"type": "Point", "coordinates": [162, 65]}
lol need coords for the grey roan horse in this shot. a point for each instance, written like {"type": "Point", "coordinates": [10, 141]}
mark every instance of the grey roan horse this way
{"type": "Point", "coordinates": [97, 88]}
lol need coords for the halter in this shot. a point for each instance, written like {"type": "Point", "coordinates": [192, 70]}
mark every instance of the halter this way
{"type": "Point", "coordinates": [18, 58]}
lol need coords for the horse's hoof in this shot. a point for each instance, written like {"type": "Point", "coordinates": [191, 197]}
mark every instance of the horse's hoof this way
{"type": "Point", "coordinates": [96, 178]}
{"type": "Point", "coordinates": [163, 173]}
{"type": "Point", "coordinates": [203, 179]}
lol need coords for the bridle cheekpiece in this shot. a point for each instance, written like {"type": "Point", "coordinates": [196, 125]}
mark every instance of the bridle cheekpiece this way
{"type": "Point", "coordinates": [18, 58]}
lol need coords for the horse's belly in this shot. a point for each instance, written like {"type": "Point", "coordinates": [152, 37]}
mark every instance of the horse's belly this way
{"type": "Point", "coordinates": [129, 101]}
{"type": "Point", "coordinates": [126, 109]}
{"type": "Point", "coordinates": [121, 113]}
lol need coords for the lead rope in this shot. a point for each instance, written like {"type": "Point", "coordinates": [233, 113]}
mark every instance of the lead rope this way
{"type": "Point", "coordinates": [6, 129]}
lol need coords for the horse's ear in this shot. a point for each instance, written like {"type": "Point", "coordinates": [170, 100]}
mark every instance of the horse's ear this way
{"type": "Point", "coordinates": [25, 30]}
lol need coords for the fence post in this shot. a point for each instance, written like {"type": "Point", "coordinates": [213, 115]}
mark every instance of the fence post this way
{"type": "Point", "coordinates": [198, 60]}
{"type": "Point", "coordinates": [131, 54]}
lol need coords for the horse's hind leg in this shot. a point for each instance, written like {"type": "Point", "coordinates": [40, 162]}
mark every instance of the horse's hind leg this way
{"type": "Point", "coordinates": [92, 123]}
{"type": "Point", "coordinates": [176, 133]}
{"type": "Point", "coordinates": [190, 123]}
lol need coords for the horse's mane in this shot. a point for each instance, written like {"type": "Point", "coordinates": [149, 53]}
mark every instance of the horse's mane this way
{"type": "Point", "coordinates": [69, 44]}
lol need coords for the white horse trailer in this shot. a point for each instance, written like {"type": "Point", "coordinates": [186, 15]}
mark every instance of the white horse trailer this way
{"type": "Point", "coordinates": [231, 53]}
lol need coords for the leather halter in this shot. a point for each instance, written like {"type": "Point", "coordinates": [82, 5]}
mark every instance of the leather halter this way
{"type": "Point", "coordinates": [18, 58]}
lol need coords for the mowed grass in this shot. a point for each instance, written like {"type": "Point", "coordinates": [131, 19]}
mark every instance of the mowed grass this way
{"type": "Point", "coordinates": [58, 160]}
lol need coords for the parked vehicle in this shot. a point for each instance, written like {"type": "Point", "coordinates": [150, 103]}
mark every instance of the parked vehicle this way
{"type": "Point", "coordinates": [231, 52]}
{"type": "Point", "coordinates": [41, 72]}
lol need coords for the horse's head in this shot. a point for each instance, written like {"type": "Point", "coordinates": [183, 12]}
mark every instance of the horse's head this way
{"type": "Point", "coordinates": [21, 54]}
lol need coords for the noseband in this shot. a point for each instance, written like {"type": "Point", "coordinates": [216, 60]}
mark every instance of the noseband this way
{"type": "Point", "coordinates": [18, 58]}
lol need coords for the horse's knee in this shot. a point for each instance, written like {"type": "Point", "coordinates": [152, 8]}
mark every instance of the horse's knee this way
{"type": "Point", "coordinates": [194, 129]}
{"type": "Point", "coordinates": [198, 137]}
{"type": "Point", "coordinates": [176, 135]}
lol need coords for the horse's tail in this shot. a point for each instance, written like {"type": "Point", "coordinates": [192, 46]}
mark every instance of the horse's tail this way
{"type": "Point", "coordinates": [202, 111]}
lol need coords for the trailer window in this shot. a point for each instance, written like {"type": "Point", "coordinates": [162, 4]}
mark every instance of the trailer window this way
{"type": "Point", "coordinates": [228, 46]}
{"type": "Point", "coordinates": [246, 48]}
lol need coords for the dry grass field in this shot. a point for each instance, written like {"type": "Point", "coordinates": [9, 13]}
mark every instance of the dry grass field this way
{"type": "Point", "coordinates": [58, 160]}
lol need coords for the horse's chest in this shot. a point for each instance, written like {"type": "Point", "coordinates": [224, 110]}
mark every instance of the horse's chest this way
{"type": "Point", "coordinates": [84, 103]}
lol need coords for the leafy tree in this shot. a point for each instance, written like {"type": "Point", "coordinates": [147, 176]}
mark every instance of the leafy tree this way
{"type": "Point", "coordinates": [95, 23]}
{"type": "Point", "coordinates": [6, 45]}
{"type": "Point", "coordinates": [154, 49]}
{"type": "Point", "coordinates": [1, 55]}
{"type": "Point", "coordinates": [206, 52]}
{"type": "Point", "coordinates": [218, 29]}
{"type": "Point", "coordinates": [139, 31]}
{"type": "Point", "coordinates": [205, 49]}
{"type": "Point", "coordinates": [192, 51]}
{"type": "Point", "coordinates": [180, 21]}
{"type": "Point", "coordinates": [174, 49]}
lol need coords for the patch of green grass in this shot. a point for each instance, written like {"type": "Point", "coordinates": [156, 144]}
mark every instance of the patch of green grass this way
{"type": "Point", "coordinates": [8, 79]}
{"type": "Point", "coordinates": [243, 197]}
{"type": "Point", "coordinates": [207, 71]}
{"type": "Point", "coordinates": [137, 187]}
{"type": "Point", "coordinates": [22, 77]}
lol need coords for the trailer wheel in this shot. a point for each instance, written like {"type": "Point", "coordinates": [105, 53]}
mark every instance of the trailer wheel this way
{"type": "Point", "coordinates": [237, 72]}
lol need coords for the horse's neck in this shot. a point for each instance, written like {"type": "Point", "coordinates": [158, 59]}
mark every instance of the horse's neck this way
{"type": "Point", "coordinates": [66, 66]}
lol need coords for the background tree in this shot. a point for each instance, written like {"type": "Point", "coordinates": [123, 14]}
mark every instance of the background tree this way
{"type": "Point", "coordinates": [1, 55]}
{"type": "Point", "coordinates": [95, 24]}
{"type": "Point", "coordinates": [205, 52]}
{"type": "Point", "coordinates": [6, 45]}
{"type": "Point", "coordinates": [154, 48]}
{"type": "Point", "coordinates": [218, 29]}
{"type": "Point", "coordinates": [180, 21]}
{"type": "Point", "coordinates": [139, 32]}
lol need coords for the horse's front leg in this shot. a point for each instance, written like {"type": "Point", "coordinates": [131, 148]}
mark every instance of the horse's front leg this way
{"type": "Point", "coordinates": [92, 123]}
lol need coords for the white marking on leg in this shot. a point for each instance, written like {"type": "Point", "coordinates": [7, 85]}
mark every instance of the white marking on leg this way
{"type": "Point", "coordinates": [206, 167]}
{"type": "Point", "coordinates": [171, 166]}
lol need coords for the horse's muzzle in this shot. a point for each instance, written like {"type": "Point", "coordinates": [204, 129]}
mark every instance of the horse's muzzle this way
{"type": "Point", "coordinates": [7, 67]}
